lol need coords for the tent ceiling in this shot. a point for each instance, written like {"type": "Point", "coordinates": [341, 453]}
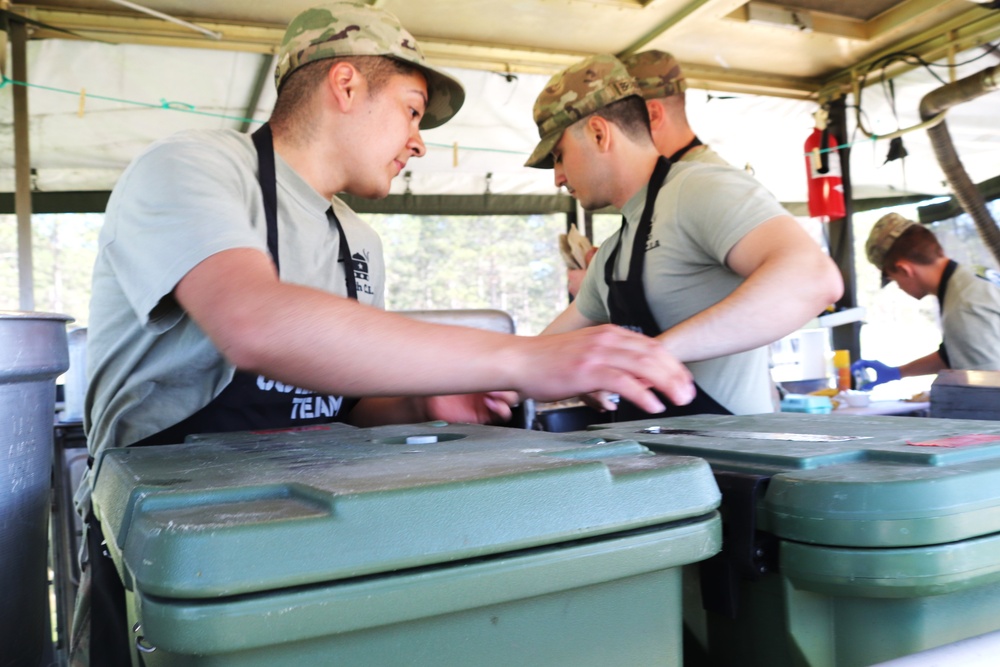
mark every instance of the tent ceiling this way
{"type": "Point", "coordinates": [731, 50]}
{"type": "Point", "coordinates": [788, 49]}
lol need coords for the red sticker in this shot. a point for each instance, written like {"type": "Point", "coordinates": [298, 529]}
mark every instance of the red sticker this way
{"type": "Point", "coordinates": [958, 440]}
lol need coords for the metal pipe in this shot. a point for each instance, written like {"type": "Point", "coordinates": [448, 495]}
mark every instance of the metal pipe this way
{"type": "Point", "coordinates": [167, 17]}
{"type": "Point", "coordinates": [967, 194]}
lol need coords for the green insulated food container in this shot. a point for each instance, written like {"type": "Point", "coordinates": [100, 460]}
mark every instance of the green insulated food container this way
{"type": "Point", "coordinates": [430, 544]}
{"type": "Point", "coordinates": [847, 541]}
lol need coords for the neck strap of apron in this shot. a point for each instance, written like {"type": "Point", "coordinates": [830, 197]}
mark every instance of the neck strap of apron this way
{"type": "Point", "coordinates": [691, 144]}
{"type": "Point", "coordinates": [263, 141]}
{"type": "Point", "coordinates": [264, 144]}
{"type": "Point", "coordinates": [643, 228]}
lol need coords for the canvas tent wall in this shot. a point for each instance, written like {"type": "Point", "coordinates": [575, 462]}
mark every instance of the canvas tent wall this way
{"type": "Point", "coordinates": [102, 81]}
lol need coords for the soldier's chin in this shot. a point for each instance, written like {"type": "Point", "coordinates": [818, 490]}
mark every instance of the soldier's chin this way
{"type": "Point", "coordinates": [590, 204]}
{"type": "Point", "coordinates": [370, 191]}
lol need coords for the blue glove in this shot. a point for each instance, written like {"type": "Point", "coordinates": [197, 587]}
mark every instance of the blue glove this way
{"type": "Point", "coordinates": [883, 373]}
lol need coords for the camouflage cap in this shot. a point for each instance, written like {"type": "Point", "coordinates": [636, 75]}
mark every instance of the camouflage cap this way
{"type": "Point", "coordinates": [577, 91]}
{"type": "Point", "coordinates": [656, 73]}
{"type": "Point", "coordinates": [352, 29]}
{"type": "Point", "coordinates": [885, 232]}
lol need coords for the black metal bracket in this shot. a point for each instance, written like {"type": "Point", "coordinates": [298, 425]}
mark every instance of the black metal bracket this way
{"type": "Point", "coordinates": [747, 553]}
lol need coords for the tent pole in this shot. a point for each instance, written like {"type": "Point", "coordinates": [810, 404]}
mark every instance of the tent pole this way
{"type": "Point", "coordinates": [263, 72]}
{"type": "Point", "coordinates": [22, 165]}
{"type": "Point", "coordinates": [841, 236]}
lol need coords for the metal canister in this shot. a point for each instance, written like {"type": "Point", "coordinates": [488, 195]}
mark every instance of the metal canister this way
{"type": "Point", "coordinates": [33, 352]}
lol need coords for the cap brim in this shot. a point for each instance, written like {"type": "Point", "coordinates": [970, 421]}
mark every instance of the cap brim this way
{"type": "Point", "coordinates": [445, 96]}
{"type": "Point", "coordinates": [541, 157]}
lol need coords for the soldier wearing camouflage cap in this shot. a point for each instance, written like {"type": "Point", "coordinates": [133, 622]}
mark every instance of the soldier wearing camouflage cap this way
{"type": "Point", "coordinates": [910, 255]}
{"type": "Point", "coordinates": [578, 91]}
{"type": "Point", "coordinates": [692, 235]}
{"type": "Point", "coordinates": [234, 290]}
{"type": "Point", "coordinates": [662, 85]}
{"type": "Point", "coordinates": [882, 237]}
{"type": "Point", "coordinates": [348, 29]}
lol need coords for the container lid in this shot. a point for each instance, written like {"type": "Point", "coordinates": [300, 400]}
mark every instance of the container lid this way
{"type": "Point", "coordinates": [239, 515]}
{"type": "Point", "coordinates": [847, 480]}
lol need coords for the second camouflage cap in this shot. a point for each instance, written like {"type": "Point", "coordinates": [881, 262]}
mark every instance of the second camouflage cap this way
{"type": "Point", "coordinates": [885, 232]}
{"type": "Point", "coordinates": [352, 29]}
{"type": "Point", "coordinates": [577, 91]}
{"type": "Point", "coordinates": [656, 73]}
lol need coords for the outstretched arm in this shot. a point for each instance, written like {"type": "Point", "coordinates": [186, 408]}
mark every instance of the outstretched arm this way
{"type": "Point", "coordinates": [930, 364]}
{"type": "Point", "coordinates": [482, 408]}
{"type": "Point", "coordinates": [788, 281]}
{"type": "Point", "coordinates": [570, 319]}
{"type": "Point", "coordinates": [926, 365]}
{"type": "Point", "coordinates": [327, 343]}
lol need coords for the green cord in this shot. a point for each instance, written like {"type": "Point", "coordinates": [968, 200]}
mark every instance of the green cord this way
{"type": "Point", "coordinates": [184, 107]}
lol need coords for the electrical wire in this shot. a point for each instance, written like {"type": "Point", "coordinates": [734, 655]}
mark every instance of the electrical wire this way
{"type": "Point", "coordinates": [169, 18]}
{"type": "Point", "coordinates": [911, 59]}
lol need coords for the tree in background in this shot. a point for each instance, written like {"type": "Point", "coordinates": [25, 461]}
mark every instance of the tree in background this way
{"type": "Point", "coordinates": [510, 263]}
{"type": "Point", "coordinates": [64, 248]}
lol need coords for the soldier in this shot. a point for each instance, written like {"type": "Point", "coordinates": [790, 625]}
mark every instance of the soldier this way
{"type": "Point", "coordinates": [910, 255]}
{"type": "Point", "coordinates": [233, 290]}
{"type": "Point", "coordinates": [706, 261]}
{"type": "Point", "coordinates": [662, 85]}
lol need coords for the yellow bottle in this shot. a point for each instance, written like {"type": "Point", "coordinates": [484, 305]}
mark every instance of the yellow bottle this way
{"type": "Point", "coordinates": [842, 366]}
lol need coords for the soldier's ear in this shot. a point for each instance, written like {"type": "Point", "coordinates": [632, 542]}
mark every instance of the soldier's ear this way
{"type": "Point", "coordinates": [657, 114]}
{"type": "Point", "coordinates": [599, 132]}
{"type": "Point", "coordinates": [901, 269]}
{"type": "Point", "coordinates": [344, 82]}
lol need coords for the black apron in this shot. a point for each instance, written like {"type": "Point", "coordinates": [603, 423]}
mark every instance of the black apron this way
{"type": "Point", "coordinates": [628, 307]}
{"type": "Point", "coordinates": [949, 269]}
{"type": "Point", "coordinates": [249, 402]}
{"type": "Point", "coordinates": [252, 402]}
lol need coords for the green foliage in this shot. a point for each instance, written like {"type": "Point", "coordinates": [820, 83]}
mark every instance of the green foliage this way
{"type": "Point", "coordinates": [510, 263]}
{"type": "Point", "coordinates": [63, 250]}
{"type": "Point", "coordinates": [962, 242]}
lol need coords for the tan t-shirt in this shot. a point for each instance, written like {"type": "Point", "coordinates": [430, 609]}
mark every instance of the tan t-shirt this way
{"type": "Point", "coordinates": [183, 199]}
{"type": "Point", "coordinates": [701, 212]}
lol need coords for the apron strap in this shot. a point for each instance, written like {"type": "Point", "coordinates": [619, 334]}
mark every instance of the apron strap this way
{"type": "Point", "coordinates": [691, 144]}
{"type": "Point", "coordinates": [263, 141]}
{"type": "Point", "coordinates": [345, 256]}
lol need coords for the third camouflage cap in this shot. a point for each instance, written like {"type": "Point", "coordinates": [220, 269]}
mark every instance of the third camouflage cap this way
{"type": "Point", "coordinates": [885, 232]}
{"type": "Point", "coordinates": [656, 73]}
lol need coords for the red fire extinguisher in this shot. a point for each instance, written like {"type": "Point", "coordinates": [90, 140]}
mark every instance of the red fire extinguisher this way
{"type": "Point", "coordinates": [826, 187]}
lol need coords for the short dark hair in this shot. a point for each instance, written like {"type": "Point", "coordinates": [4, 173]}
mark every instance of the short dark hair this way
{"type": "Point", "coordinates": [630, 115]}
{"type": "Point", "coordinates": [298, 88]}
{"type": "Point", "coordinates": [917, 244]}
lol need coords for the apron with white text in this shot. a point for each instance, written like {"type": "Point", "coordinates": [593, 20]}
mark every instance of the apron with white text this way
{"type": "Point", "coordinates": [253, 402]}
